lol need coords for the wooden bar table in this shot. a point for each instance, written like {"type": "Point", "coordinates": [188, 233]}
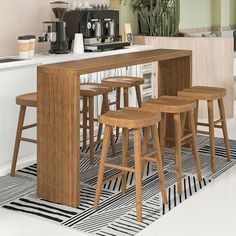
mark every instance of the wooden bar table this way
{"type": "Point", "coordinates": [58, 87]}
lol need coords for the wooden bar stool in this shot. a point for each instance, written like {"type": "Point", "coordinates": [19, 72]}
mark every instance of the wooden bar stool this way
{"type": "Point", "coordinates": [125, 83]}
{"type": "Point", "coordinates": [210, 94]}
{"type": "Point", "coordinates": [25, 100]}
{"type": "Point", "coordinates": [136, 119]}
{"type": "Point", "coordinates": [88, 91]}
{"type": "Point", "coordinates": [179, 108]}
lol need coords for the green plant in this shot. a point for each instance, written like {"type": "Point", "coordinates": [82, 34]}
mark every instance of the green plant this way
{"type": "Point", "coordinates": [160, 17]}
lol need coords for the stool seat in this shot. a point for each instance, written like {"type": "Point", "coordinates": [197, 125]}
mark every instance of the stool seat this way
{"type": "Point", "coordinates": [203, 92]}
{"type": "Point", "coordinates": [170, 104]}
{"type": "Point", "coordinates": [92, 89]}
{"type": "Point", "coordinates": [132, 118]}
{"type": "Point", "coordinates": [123, 81]}
{"type": "Point", "coordinates": [29, 99]}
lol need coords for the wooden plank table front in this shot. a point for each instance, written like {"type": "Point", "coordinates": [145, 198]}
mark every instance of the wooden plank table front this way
{"type": "Point", "coordinates": [58, 132]}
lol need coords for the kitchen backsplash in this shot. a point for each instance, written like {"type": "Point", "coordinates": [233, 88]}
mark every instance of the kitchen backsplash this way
{"type": "Point", "coordinates": [20, 17]}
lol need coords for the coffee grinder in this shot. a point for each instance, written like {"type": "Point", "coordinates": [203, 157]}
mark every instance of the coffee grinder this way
{"type": "Point", "coordinates": [56, 34]}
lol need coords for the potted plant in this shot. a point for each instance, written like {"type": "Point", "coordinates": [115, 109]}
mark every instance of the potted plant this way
{"type": "Point", "coordinates": [157, 17]}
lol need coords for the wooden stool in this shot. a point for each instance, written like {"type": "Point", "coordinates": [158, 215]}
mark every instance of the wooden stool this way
{"type": "Point", "coordinates": [179, 107]}
{"type": "Point", "coordinates": [88, 91]}
{"type": "Point", "coordinates": [25, 100]}
{"type": "Point", "coordinates": [210, 94]}
{"type": "Point", "coordinates": [125, 82]}
{"type": "Point", "coordinates": [131, 118]}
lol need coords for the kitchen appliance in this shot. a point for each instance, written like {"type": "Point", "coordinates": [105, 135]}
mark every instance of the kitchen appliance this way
{"type": "Point", "coordinates": [56, 33]}
{"type": "Point", "coordinates": [100, 28]}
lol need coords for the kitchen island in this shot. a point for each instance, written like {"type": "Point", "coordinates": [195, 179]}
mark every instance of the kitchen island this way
{"type": "Point", "coordinates": [58, 87]}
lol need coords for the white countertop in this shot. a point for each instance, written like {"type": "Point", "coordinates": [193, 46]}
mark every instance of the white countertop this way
{"type": "Point", "coordinates": [42, 59]}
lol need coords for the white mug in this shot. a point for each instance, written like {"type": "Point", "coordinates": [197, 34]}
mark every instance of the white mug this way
{"type": "Point", "coordinates": [78, 46]}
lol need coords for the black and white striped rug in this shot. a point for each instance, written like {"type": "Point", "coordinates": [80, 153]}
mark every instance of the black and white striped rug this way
{"type": "Point", "coordinates": [117, 213]}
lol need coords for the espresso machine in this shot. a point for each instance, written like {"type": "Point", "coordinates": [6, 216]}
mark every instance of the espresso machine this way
{"type": "Point", "coordinates": [56, 30]}
{"type": "Point", "coordinates": [100, 28]}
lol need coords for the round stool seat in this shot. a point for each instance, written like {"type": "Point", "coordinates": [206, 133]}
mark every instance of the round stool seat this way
{"type": "Point", "coordinates": [123, 81]}
{"type": "Point", "coordinates": [169, 104]}
{"type": "Point", "coordinates": [203, 92]}
{"type": "Point", "coordinates": [29, 99]}
{"type": "Point", "coordinates": [93, 89]}
{"type": "Point", "coordinates": [132, 118]}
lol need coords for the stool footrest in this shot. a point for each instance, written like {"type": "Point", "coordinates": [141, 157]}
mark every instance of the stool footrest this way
{"type": "Point", "coordinates": [169, 149]}
{"type": "Point", "coordinates": [108, 179]}
{"type": "Point", "coordinates": [218, 121]}
{"type": "Point", "coordinates": [29, 126]}
{"type": "Point", "coordinates": [149, 159]}
{"type": "Point", "coordinates": [29, 140]}
{"type": "Point", "coordinates": [130, 154]}
{"type": "Point", "coordinates": [122, 168]}
{"type": "Point", "coordinates": [207, 125]}
{"type": "Point", "coordinates": [148, 155]}
{"type": "Point", "coordinates": [84, 126]}
{"type": "Point", "coordinates": [203, 132]}
{"type": "Point", "coordinates": [187, 136]}
{"type": "Point", "coordinates": [112, 103]}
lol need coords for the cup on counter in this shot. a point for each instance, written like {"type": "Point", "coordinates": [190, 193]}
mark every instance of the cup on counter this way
{"type": "Point", "coordinates": [24, 47]}
{"type": "Point", "coordinates": [32, 45]}
{"type": "Point", "coordinates": [78, 45]}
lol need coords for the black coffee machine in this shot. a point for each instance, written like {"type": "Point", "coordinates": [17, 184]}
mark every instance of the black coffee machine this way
{"type": "Point", "coordinates": [56, 33]}
{"type": "Point", "coordinates": [100, 28]}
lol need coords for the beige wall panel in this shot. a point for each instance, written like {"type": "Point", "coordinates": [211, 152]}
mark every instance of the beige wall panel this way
{"type": "Point", "coordinates": [212, 62]}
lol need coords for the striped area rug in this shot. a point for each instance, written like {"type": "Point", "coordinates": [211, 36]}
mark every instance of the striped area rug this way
{"type": "Point", "coordinates": [117, 213]}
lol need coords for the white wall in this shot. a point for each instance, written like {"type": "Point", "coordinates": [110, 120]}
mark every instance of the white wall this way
{"type": "Point", "coordinates": [20, 17]}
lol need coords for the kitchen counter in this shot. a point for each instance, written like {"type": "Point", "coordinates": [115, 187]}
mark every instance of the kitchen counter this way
{"type": "Point", "coordinates": [44, 59]}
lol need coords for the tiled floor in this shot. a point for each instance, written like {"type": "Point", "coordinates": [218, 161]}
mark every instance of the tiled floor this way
{"type": "Point", "coordinates": [209, 212]}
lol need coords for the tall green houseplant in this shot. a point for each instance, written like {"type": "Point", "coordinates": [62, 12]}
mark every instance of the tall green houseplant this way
{"type": "Point", "coordinates": [158, 17]}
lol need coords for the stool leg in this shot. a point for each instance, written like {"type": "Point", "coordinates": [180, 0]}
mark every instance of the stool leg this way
{"type": "Point", "coordinates": [212, 133]}
{"type": "Point", "coordinates": [126, 97]}
{"type": "Point", "coordinates": [224, 127]}
{"type": "Point", "coordinates": [91, 128]}
{"type": "Point", "coordinates": [183, 118]}
{"type": "Point", "coordinates": [196, 114]}
{"type": "Point", "coordinates": [125, 137]}
{"type": "Point", "coordinates": [178, 160]}
{"type": "Point", "coordinates": [85, 113]}
{"type": "Point", "coordinates": [163, 133]}
{"type": "Point", "coordinates": [107, 108]}
{"type": "Point", "coordinates": [17, 141]}
{"type": "Point", "coordinates": [117, 108]}
{"type": "Point", "coordinates": [146, 137]}
{"type": "Point", "coordinates": [102, 165]}
{"type": "Point", "coordinates": [101, 125]}
{"type": "Point", "coordinates": [194, 145]}
{"type": "Point", "coordinates": [138, 94]}
{"type": "Point", "coordinates": [160, 168]}
{"type": "Point", "coordinates": [138, 173]}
